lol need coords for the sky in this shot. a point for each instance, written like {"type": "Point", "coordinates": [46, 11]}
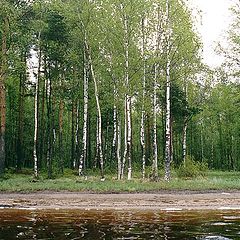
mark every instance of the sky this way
{"type": "Point", "coordinates": [212, 26]}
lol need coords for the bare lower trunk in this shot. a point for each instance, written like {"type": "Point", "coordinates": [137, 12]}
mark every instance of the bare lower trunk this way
{"type": "Point", "coordinates": [36, 109]}
{"type": "Point", "coordinates": [142, 128]}
{"type": "Point", "coordinates": [35, 133]}
{"type": "Point", "coordinates": [61, 154]}
{"type": "Point", "coordinates": [3, 72]}
{"type": "Point", "coordinates": [75, 135]}
{"type": "Point", "coordinates": [73, 156]}
{"type": "Point", "coordinates": [168, 104]}
{"type": "Point", "coordinates": [143, 146]}
{"type": "Point", "coordinates": [129, 137]}
{"type": "Point", "coordinates": [115, 126]}
{"type": "Point", "coordinates": [49, 128]}
{"type": "Point", "coordinates": [85, 116]}
{"type": "Point", "coordinates": [97, 146]}
{"type": "Point", "coordinates": [155, 86]}
{"type": "Point", "coordinates": [99, 135]}
{"type": "Point", "coordinates": [155, 149]}
{"type": "Point", "coordinates": [43, 121]}
{"type": "Point", "coordinates": [119, 148]}
{"type": "Point", "coordinates": [3, 126]}
{"type": "Point", "coordinates": [125, 140]}
{"type": "Point", "coordinates": [106, 145]}
{"type": "Point", "coordinates": [20, 122]}
{"type": "Point", "coordinates": [184, 141]}
{"type": "Point", "coordinates": [168, 131]}
{"type": "Point", "coordinates": [128, 125]}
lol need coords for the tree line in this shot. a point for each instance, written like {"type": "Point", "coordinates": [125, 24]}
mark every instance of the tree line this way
{"type": "Point", "coordinates": [112, 85]}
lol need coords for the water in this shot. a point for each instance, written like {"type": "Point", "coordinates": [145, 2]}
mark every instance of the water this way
{"type": "Point", "coordinates": [118, 224]}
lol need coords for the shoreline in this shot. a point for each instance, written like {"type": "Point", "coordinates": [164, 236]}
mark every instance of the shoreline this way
{"type": "Point", "coordinates": [166, 201]}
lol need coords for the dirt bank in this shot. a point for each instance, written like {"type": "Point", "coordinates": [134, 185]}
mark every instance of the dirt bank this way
{"type": "Point", "coordinates": [161, 200]}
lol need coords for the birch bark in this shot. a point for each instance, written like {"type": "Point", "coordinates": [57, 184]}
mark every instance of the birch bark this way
{"type": "Point", "coordinates": [119, 148]}
{"type": "Point", "coordinates": [142, 128]}
{"type": "Point", "coordinates": [85, 112]}
{"type": "Point", "coordinates": [115, 127]}
{"type": "Point", "coordinates": [128, 125]}
{"type": "Point", "coordinates": [155, 86]}
{"type": "Point", "coordinates": [99, 122]}
{"type": "Point", "coordinates": [36, 108]}
{"type": "Point", "coordinates": [168, 101]}
{"type": "Point", "coordinates": [155, 150]}
{"type": "Point", "coordinates": [184, 146]}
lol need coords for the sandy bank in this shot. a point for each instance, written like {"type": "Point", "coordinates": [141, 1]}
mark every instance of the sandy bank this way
{"type": "Point", "coordinates": [160, 201]}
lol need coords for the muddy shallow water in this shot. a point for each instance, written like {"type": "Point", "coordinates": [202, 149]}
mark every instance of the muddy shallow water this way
{"type": "Point", "coordinates": [118, 224]}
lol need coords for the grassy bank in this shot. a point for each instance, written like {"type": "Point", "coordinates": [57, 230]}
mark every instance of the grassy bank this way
{"type": "Point", "coordinates": [24, 182]}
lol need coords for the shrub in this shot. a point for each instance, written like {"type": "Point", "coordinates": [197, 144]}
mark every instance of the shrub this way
{"type": "Point", "coordinates": [191, 168]}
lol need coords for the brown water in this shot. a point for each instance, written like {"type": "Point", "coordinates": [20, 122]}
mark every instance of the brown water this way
{"type": "Point", "coordinates": [92, 224]}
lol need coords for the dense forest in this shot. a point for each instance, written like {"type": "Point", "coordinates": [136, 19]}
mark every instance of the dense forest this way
{"type": "Point", "coordinates": [114, 85]}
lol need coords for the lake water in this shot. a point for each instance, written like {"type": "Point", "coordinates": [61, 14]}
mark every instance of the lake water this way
{"type": "Point", "coordinates": [118, 224]}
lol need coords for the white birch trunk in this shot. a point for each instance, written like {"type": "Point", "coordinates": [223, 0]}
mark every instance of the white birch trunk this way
{"type": "Point", "coordinates": [142, 140]}
{"type": "Point", "coordinates": [119, 148]}
{"type": "Point", "coordinates": [128, 103]}
{"type": "Point", "coordinates": [125, 139]}
{"type": "Point", "coordinates": [142, 129]}
{"type": "Point", "coordinates": [85, 115]}
{"type": "Point", "coordinates": [184, 147]}
{"type": "Point", "coordinates": [128, 129]}
{"type": "Point", "coordinates": [129, 137]}
{"type": "Point", "coordinates": [97, 145]}
{"type": "Point", "coordinates": [36, 109]}
{"type": "Point", "coordinates": [35, 131]}
{"type": "Point", "coordinates": [114, 143]}
{"type": "Point", "coordinates": [49, 126]}
{"type": "Point", "coordinates": [155, 86]}
{"type": "Point", "coordinates": [99, 135]}
{"type": "Point", "coordinates": [168, 102]}
{"type": "Point", "coordinates": [155, 150]}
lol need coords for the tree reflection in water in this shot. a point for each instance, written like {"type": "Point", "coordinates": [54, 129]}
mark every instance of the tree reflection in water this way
{"type": "Point", "coordinates": [118, 224]}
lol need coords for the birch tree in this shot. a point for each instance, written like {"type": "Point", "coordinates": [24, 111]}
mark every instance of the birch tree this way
{"type": "Point", "coordinates": [142, 128]}
{"type": "Point", "coordinates": [85, 111]}
{"type": "Point", "coordinates": [157, 51]}
{"type": "Point", "coordinates": [36, 97]}
{"type": "Point", "coordinates": [168, 98]}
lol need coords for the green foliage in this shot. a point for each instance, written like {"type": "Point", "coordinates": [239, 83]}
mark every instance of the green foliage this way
{"type": "Point", "coordinates": [192, 169]}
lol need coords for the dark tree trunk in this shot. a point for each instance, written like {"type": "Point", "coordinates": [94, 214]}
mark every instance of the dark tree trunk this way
{"type": "Point", "coordinates": [61, 154]}
{"type": "Point", "coordinates": [22, 80]}
{"type": "Point", "coordinates": [3, 70]}
{"type": "Point", "coordinates": [73, 156]}
{"type": "Point", "coordinates": [49, 130]}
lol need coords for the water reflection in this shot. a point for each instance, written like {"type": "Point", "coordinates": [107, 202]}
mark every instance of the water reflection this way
{"type": "Point", "coordinates": [92, 224]}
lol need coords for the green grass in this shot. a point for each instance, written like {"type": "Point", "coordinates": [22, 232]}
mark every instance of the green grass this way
{"type": "Point", "coordinates": [24, 182]}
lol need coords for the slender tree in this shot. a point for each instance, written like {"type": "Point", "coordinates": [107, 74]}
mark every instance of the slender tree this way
{"type": "Point", "coordinates": [142, 128]}
{"type": "Point", "coordinates": [3, 74]}
{"type": "Point", "coordinates": [85, 111]}
{"type": "Point", "coordinates": [168, 99]}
